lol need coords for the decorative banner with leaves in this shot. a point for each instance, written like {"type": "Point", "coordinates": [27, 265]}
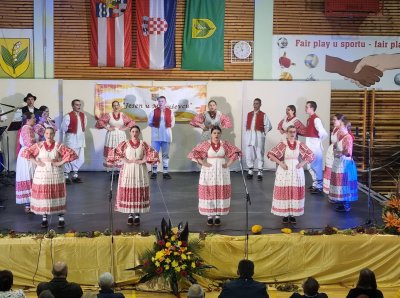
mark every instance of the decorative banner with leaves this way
{"type": "Point", "coordinates": [16, 54]}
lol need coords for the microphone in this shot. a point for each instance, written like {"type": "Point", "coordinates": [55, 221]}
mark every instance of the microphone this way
{"type": "Point", "coordinates": [357, 131]}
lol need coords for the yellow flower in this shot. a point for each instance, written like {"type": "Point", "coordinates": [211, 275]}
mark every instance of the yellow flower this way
{"type": "Point", "coordinates": [166, 267]}
{"type": "Point", "coordinates": [184, 266]}
{"type": "Point", "coordinates": [168, 244]}
{"type": "Point", "coordinates": [167, 260]}
{"type": "Point", "coordinates": [157, 264]}
{"type": "Point", "coordinates": [286, 231]}
{"type": "Point", "coordinates": [159, 254]}
{"type": "Point", "coordinates": [173, 238]}
{"type": "Point", "coordinates": [178, 269]}
{"type": "Point", "coordinates": [179, 243]}
{"type": "Point", "coordinates": [174, 263]}
{"type": "Point", "coordinates": [183, 256]}
{"type": "Point", "coordinates": [174, 230]}
{"type": "Point", "coordinates": [302, 232]}
{"type": "Point", "coordinates": [193, 265]}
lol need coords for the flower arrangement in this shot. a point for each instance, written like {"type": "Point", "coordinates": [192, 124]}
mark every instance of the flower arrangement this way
{"type": "Point", "coordinates": [391, 215]}
{"type": "Point", "coordinates": [172, 258]}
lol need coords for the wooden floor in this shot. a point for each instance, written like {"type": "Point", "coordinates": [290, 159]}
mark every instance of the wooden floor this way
{"type": "Point", "coordinates": [332, 292]}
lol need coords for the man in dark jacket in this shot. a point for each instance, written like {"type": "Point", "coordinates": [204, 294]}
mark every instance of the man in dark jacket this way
{"type": "Point", "coordinates": [244, 286]}
{"type": "Point", "coordinates": [59, 286]}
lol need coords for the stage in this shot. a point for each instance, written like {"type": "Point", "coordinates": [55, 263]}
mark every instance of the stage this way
{"type": "Point", "coordinates": [176, 199]}
{"type": "Point", "coordinates": [334, 260]}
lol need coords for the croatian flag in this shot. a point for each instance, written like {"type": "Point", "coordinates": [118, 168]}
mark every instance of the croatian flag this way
{"type": "Point", "coordinates": [155, 33]}
{"type": "Point", "coordinates": [111, 29]}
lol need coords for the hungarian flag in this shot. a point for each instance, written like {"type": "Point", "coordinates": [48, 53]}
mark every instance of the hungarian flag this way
{"type": "Point", "coordinates": [203, 38]}
{"type": "Point", "coordinates": [155, 33]}
{"type": "Point", "coordinates": [111, 29]}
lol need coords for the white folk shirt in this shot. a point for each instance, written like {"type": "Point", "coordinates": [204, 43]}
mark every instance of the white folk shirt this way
{"type": "Point", "coordinates": [73, 140]}
{"type": "Point", "coordinates": [257, 138]}
{"type": "Point", "coordinates": [162, 133]}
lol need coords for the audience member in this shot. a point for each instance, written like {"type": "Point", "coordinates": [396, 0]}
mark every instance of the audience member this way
{"type": "Point", "coordinates": [6, 282]}
{"type": "Point", "coordinates": [106, 283]}
{"type": "Point", "coordinates": [244, 286]}
{"type": "Point", "coordinates": [366, 285]}
{"type": "Point", "coordinates": [196, 291]}
{"type": "Point", "coordinates": [310, 289]}
{"type": "Point", "coordinates": [46, 294]}
{"type": "Point", "coordinates": [59, 286]}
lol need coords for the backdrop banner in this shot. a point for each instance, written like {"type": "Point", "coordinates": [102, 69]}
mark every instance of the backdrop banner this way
{"type": "Point", "coordinates": [139, 101]}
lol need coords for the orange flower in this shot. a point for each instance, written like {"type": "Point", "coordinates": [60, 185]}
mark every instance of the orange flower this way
{"type": "Point", "coordinates": [394, 203]}
{"type": "Point", "coordinates": [391, 220]}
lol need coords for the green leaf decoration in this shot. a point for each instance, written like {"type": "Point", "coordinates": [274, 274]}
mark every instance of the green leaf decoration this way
{"type": "Point", "coordinates": [202, 33]}
{"type": "Point", "coordinates": [204, 24]}
{"type": "Point", "coordinates": [7, 57]}
{"type": "Point", "coordinates": [21, 56]}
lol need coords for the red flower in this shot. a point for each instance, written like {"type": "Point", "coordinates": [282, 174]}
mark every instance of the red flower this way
{"type": "Point", "coordinates": [198, 263]}
{"type": "Point", "coordinates": [161, 242]}
{"type": "Point", "coordinates": [184, 244]}
{"type": "Point", "coordinates": [159, 270]}
{"type": "Point", "coordinates": [184, 273]}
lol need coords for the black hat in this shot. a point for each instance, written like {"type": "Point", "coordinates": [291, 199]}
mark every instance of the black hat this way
{"type": "Point", "coordinates": [29, 95]}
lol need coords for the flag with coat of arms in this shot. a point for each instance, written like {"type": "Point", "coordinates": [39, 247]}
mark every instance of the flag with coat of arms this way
{"type": "Point", "coordinates": [155, 33]}
{"type": "Point", "coordinates": [111, 32]}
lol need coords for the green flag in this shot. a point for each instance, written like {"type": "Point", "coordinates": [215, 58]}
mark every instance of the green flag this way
{"type": "Point", "coordinates": [203, 38]}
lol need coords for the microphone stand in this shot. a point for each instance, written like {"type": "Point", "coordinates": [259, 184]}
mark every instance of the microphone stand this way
{"type": "Point", "coordinates": [111, 218]}
{"type": "Point", "coordinates": [368, 222]}
{"type": "Point", "coordinates": [248, 202]}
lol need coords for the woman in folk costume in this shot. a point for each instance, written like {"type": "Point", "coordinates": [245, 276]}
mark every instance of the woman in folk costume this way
{"type": "Point", "coordinates": [290, 119]}
{"type": "Point", "coordinates": [289, 194]}
{"type": "Point", "coordinates": [215, 181]}
{"type": "Point", "coordinates": [116, 123]}
{"type": "Point", "coordinates": [336, 119]}
{"type": "Point", "coordinates": [48, 187]}
{"type": "Point", "coordinates": [343, 188]}
{"type": "Point", "coordinates": [43, 122]}
{"type": "Point", "coordinates": [25, 168]}
{"type": "Point", "coordinates": [133, 195]}
{"type": "Point", "coordinates": [212, 118]}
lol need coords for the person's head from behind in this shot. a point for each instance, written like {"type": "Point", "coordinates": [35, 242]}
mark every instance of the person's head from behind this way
{"type": "Point", "coordinates": [60, 269]}
{"type": "Point", "coordinates": [46, 294]}
{"type": "Point", "coordinates": [310, 287]}
{"type": "Point", "coordinates": [6, 280]}
{"type": "Point", "coordinates": [196, 291]}
{"type": "Point", "coordinates": [245, 269]}
{"type": "Point", "coordinates": [367, 279]}
{"type": "Point", "coordinates": [106, 281]}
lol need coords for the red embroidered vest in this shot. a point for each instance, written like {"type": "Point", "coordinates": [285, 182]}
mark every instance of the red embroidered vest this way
{"type": "Point", "coordinates": [259, 126]}
{"type": "Point", "coordinates": [157, 117]}
{"type": "Point", "coordinates": [73, 122]}
{"type": "Point", "coordinates": [311, 131]}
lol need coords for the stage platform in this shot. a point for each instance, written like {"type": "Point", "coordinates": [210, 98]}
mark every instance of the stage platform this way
{"type": "Point", "coordinates": [176, 199]}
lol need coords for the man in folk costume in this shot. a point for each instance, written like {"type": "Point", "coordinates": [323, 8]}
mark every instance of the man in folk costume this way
{"type": "Point", "coordinates": [161, 120]}
{"type": "Point", "coordinates": [315, 134]}
{"type": "Point", "coordinates": [257, 126]}
{"type": "Point", "coordinates": [74, 125]}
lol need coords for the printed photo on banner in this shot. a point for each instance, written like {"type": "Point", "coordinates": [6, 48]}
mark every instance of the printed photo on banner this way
{"type": "Point", "coordinates": [350, 62]}
{"type": "Point", "coordinates": [138, 101]}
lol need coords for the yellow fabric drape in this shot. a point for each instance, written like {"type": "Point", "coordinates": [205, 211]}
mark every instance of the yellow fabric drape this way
{"type": "Point", "coordinates": [280, 257]}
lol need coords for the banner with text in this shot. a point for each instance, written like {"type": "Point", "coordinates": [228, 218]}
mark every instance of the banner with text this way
{"type": "Point", "coordinates": [350, 62]}
{"type": "Point", "coordinates": [139, 101]}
